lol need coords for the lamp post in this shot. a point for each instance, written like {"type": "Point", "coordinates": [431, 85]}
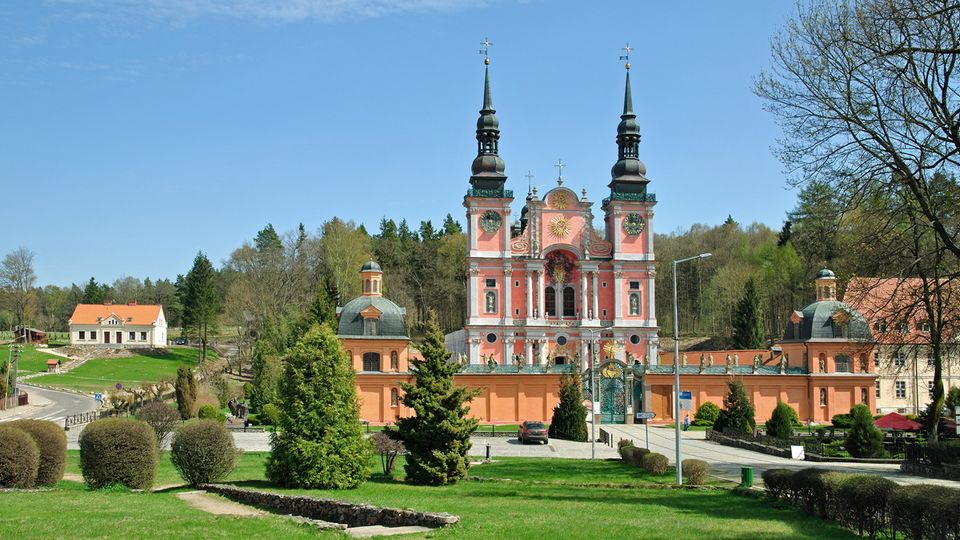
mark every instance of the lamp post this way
{"type": "Point", "coordinates": [676, 361]}
{"type": "Point", "coordinates": [593, 395]}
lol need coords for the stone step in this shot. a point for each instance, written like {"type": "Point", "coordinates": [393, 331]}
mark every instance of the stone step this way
{"type": "Point", "coordinates": [378, 530]}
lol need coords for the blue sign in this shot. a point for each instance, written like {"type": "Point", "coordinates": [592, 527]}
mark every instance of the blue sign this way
{"type": "Point", "coordinates": [686, 394]}
{"type": "Point", "coordinates": [686, 400]}
{"type": "Point", "coordinates": [98, 397]}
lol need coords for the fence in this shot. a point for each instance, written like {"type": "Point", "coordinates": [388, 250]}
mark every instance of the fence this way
{"type": "Point", "coordinates": [86, 418]}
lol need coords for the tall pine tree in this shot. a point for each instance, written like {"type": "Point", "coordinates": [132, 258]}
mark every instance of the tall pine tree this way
{"type": "Point", "coordinates": [437, 438]}
{"type": "Point", "coordinates": [570, 415]}
{"type": "Point", "coordinates": [737, 414]}
{"type": "Point", "coordinates": [319, 443]}
{"type": "Point", "coordinates": [201, 301]}
{"type": "Point", "coordinates": [748, 320]}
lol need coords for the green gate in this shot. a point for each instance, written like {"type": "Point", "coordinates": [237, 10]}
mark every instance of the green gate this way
{"type": "Point", "coordinates": [613, 397]}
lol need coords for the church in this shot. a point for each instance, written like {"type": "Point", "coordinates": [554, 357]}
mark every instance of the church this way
{"type": "Point", "coordinates": [553, 294]}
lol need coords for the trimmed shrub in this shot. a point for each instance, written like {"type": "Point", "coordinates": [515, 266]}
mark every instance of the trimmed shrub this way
{"type": "Point", "coordinates": [118, 451]}
{"type": "Point", "coordinates": [863, 439]}
{"type": "Point", "coordinates": [942, 519]}
{"type": "Point", "coordinates": [779, 483]}
{"type": "Point", "coordinates": [270, 414]}
{"type": "Point", "coordinates": [707, 414]}
{"type": "Point", "coordinates": [52, 443]}
{"type": "Point", "coordinates": [19, 458]}
{"type": "Point", "coordinates": [862, 503]}
{"type": "Point", "coordinates": [781, 422]}
{"type": "Point", "coordinates": [633, 455]}
{"type": "Point", "coordinates": [622, 443]}
{"type": "Point", "coordinates": [944, 452]}
{"type": "Point", "coordinates": [161, 417]}
{"type": "Point", "coordinates": [655, 463]}
{"type": "Point", "coordinates": [211, 412]}
{"type": "Point", "coordinates": [910, 509]}
{"type": "Point", "coordinates": [695, 470]}
{"type": "Point", "coordinates": [203, 451]}
{"type": "Point", "coordinates": [842, 421]}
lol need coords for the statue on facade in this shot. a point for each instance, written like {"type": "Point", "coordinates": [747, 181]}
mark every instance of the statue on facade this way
{"type": "Point", "coordinates": [756, 361]}
{"type": "Point", "coordinates": [710, 360]}
{"type": "Point", "coordinates": [703, 362]}
{"type": "Point", "coordinates": [783, 364]}
{"type": "Point", "coordinates": [683, 359]}
{"type": "Point", "coordinates": [736, 359]}
{"type": "Point", "coordinates": [491, 362]}
{"type": "Point", "coordinates": [822, 364]}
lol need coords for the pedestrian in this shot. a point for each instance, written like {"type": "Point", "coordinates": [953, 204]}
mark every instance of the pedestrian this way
{"type": "Point", "coordinates": [686, 422]}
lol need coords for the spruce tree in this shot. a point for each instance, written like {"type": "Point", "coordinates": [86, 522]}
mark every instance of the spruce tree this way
{"type": "Point", "coordinates": [201, 301]}
{"type": "Point", "coordinates": [570, 415]}
{"type": "Point", "coordinates": [748, 321]}
{"type": "Point", "coordinates": [437, 437]}
{"type": "Point", "coordinates": [319, 443]}
{"type": "Point", "coordinates": [863, 439]}
{"type": "Point", "coordinates": [781, 422]}
{"type": "Point", "coordinates": [185, 389]}
{"type": "Point", "coordinates": [737, 413]}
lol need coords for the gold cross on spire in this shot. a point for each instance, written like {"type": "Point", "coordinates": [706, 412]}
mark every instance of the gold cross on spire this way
{"type": "Point", "coordinates": [626, 54]}
{"type": "Point", "coordinates": [485, 51]}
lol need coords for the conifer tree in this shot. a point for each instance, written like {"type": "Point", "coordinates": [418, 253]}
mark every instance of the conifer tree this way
{"type": "Point", "coordinates": [570, 415]}
{"type": "Point", "coordinates": [201, 301]}
{"type": "Point", "coordinates": [748, 321]}
{"type": "Point", "coordinates": [863, 439]}
{"type": "Point", "coordinates": [185, 389]}
{"type": "Point", "coordinates": [781, 422]}
{"type": "Point", "coordinates": [737, 413]}
{"type": "Point", "coordinates": [437, 437]}
{"type": "Point", "coordinates": [319, 443]}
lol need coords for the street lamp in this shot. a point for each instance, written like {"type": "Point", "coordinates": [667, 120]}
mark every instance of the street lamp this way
{"type": "Point", "coordinates": [676, 361]}
{"type": "Point", "coordinates": [593, 394]}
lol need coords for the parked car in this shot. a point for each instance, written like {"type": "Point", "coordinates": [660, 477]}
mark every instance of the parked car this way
{"type": "Point", "coordinates": [532, 431]}
{"type": "Point", "coordinates": [180, 341]}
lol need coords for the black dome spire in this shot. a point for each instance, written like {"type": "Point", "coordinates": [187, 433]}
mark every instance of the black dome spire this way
{"type": "Point", "coordinates": [487, 167]}
{"type": "Point", "coordinates": [629, 173]}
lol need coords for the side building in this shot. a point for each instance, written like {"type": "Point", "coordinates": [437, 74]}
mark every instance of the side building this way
{"type": "Point", "coordinates": [118, 325]}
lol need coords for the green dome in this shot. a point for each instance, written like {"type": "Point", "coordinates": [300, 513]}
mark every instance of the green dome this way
{"type": "Point", "coordinates": [391, 318]}
{"type": "Point", "coordinates": [825, 273]}
{"type": "Point", "coordinates": [817, 323]}
{"type": "Point", "coordinates": [371, 266]}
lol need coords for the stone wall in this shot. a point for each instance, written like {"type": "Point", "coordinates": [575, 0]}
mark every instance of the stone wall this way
{"type": "Point", "coordinates": [351, 514]}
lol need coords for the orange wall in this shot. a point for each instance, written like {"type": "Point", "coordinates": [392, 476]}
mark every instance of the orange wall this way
{"type": "Point", "coordinates": [355, 348]}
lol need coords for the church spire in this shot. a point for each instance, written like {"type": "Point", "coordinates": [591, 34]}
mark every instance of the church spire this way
{"type": "Point", "coordinates": [487, 167]}
{"type": "Point", "coordinates": [628, 172]}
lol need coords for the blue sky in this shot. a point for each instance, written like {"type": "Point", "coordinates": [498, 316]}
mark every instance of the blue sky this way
{"type": "Point", "coordinates": [141, 131]}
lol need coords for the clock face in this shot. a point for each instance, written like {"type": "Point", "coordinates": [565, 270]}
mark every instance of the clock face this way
{"type": "Point", "coordinates": [633, 224]}
{"type": "Point", "coordinates": [490, 221]}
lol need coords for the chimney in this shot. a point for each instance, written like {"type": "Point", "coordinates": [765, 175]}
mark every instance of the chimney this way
{"type": "Point", "coordinates": [108, 302]}
{"type": "Point", "coordinates": [131, 302]}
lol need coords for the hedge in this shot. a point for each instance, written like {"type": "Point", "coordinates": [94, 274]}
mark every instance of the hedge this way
{"type": "Point", "coordinates": [912, 510]}
{"type": "Point", "coordinates": [695, 470]}
{"type": "Point", "coordinates": [203, 451]}
{"type": "Point", "coordinates": [52, 444]}
{"type": "Point", "coordinates": [815, 490]}
{"type": "Point", "coordinates": [863, 500]}
{"type": "Point", "coordinates": [118, 451]}
{"type": "Point", "coordinates": [655, 463]}
{"type": "Point", "coordinates": [19, 458]}
{"type": "Point", "coordinates": [779, 483]}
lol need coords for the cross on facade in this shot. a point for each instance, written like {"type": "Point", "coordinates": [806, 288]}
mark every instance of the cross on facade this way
{"type": "Point", "coordinates": [560, 165]}
{"type": "Point", "coordinates": [626, 54]}
{"type": "Point", "coordinates": [485, 51]}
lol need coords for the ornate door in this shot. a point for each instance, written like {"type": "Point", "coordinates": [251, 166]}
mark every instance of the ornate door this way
{"type": "Point", "coordinates": [613, 398]}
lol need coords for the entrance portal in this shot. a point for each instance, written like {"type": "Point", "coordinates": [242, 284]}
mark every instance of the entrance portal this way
{"type": "Point", "coordinates": [613, 397]}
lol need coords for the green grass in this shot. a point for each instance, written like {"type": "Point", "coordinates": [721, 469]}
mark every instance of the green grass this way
{"type": "Point", "coordinates": [32, 359]}
{"type": "Point", "coordinates": [545, 499]}
{"type": "Point", "coordinates": [103, 374]}
{"type": "Point", "coordinates": [691, 428]}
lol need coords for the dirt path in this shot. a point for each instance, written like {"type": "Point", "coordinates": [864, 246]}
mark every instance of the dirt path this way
{"type": "Point", "coordinates": [213, 504]}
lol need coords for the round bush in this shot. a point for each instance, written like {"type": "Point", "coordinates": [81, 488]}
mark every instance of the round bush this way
{"type": "Point", "coordinates": [779, 482]}
{"type": "Point", "coordinates": [118, 451]}
{"type": "Point", "coordinates": [696, 471]}
{"type": "Point", "coordinates": [707, 414]}
{"type": "Point", "coordinates": [211, 412]}
{"type": "Point", "coordinates": [19, 458]}
{"type": "Point", "coordinates": [655, 463]}
{"type": "Point", "coordinates": [203, 451]}
{"type": "Point", "coordinates": [52, 443]}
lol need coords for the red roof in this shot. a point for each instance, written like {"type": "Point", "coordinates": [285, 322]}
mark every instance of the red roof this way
{"type": "Point", "coordinates": [887, 303]}
{"type": "Point", "coordinates": [896, 422]}
{"type": "Point", "coordinates": [129, 314]}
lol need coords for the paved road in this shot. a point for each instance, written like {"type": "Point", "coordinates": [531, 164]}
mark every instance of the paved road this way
{"type": "Point", "coordinates": [51, 405]}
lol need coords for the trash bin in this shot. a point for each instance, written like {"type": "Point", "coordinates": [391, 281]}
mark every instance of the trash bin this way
{"type": "Point", "coordinates": [746, 477]}
{"type": "Point", "coordinates": [23, 399]}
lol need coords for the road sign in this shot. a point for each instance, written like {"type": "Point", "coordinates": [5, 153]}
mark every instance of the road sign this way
{"type": "Point", "coordinates": [98, 397]}
{"type": "Point", "coordinates": [119, 386]}
{"type": "Point", "coordinates": [686, 400]}
{"type": "Point", "coordinates": [645, 415]}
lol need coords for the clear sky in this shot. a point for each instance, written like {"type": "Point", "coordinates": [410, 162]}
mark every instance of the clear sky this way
{"type": "Point", "coordinates": [137, 132]}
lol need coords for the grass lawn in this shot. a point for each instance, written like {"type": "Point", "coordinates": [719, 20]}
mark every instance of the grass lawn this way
{"type": "Point", "coordinates": [545, 499]}
{"type": "Point", "coordinates": [102, 374]}
{"type": "Point", "coordinates": [691, 428]}
{"type": "Point", "coordinates": [32, 359]}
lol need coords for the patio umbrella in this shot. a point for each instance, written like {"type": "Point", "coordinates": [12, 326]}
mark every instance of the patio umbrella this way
{"type": "Point", "coordinates": [896, 422]}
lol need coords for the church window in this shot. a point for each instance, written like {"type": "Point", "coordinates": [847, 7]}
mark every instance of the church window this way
{"type": "Point", "coordinates": [371, 327]}
{"type": "Point", "coordinates": [491, 282]}
{"type": "Point", "coordinates": [604, 284]}
{"type": "Point", "coordinates": [516, 283]}
{"type": "Point", "coordinates": [490, 304]}
{"type": "Point", "coordinates": [842, 363]}
{"type": "Point", "coordinates": [635, 304]}
{"type": "Point", "coordinates": [823, 397]}
{"type": "Point", "coordinates": [635, 339]}
{"type": "Point", "coordinates": [903, 327]}
{"type": "Point", "coordinates": [366, 285]}
{"type": "Point", "coordinates": [394, 397]}
{"type": "Point", "coordinates": [371, 361]}
{"type": "Point", "coordinates": [376, 286]}
{"type": "Point", "coordinates": [561, 340]}
{"type": "Point", "coordinates": [394, 360]}
{"type": "Point", "coordinates": [604, 312]}
{"type": "Point", "coordinates": [491, 338]}
{"type": "Point", "coordinates": [550, 301]}
{"type": "Point", "coordinates": [634, 285]}
{"type": "Point", "coordinates": [516, 311]}
{"type": "Point", "coordinates": [839, 330]}
{"type": "Point", "coordinates": [569, 302]}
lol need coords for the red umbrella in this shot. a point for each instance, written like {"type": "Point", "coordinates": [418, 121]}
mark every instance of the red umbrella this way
{"type": "Point", "coordinates": [896, 422]}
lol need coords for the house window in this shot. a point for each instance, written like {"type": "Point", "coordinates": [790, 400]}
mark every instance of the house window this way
{"type": "Point", "coordinates": [880, 326]}
{"type": "Point", "coordinates": [93, 334]}
{"type": "Point", "coordinates": [131, 336]}
{"type": "Point", "coordinates": [394, 360]}
{"type": "Point", "coordinates": [371, 361]}
{"type": "Point", "coordinates": [900, 388]}
{"type": "Point", "coordinates": [490, 302]}
{"type": "Point", "coordinates": [371, 327]}
{"type": "Point", "coordinates": [899, 360]}
{"type": "Point", "coordinates": [550, 301]}
{"type": "Point", "coordinates": [930, 389]}
{"type": "Point", "coordinates": [634, 285]}
{"type": "Point", "coordinates": [876, 390]}
{"type": "Point", "coordinates": [842, 363]}
{"type": "Point", "coordinates": [923, 326]}
{"type": "Point", "coordinates": [394, 397]}
{"type": "Point", "coordinates": [930, 361]}
{"type": "Point", "coordinates": [569, 302]}
{"type": "Point", "coordinates": [839, 330]}
{"type": "Point", "coordinates": [491, 282]}
{"type": "Point", "coordinates": [143, 336]}
{"type": "Point", "coordinates": [82, 335]}
{"type": "Point", "coordinates": [634, 304]}
{"type": "Point", "coordinates": [876, 359]}
{"type": "Point", "coordinates": [903, 327]}
{"type": "Point", "coordinates": [823, 397]}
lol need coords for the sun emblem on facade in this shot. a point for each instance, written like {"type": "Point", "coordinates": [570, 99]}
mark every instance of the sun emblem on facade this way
{"type": "Point", "coordinates": [559, 227]}
{"type": "Point", "coordinates": [610, 349]}
{"type": "Point", "coordinates": [559, 200]}
{"type": "Point", "coordinates": [611, 371]}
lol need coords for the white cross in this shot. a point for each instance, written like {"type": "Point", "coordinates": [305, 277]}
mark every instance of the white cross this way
{"type": "Point", "coordinates": [529, 176]}
{"type": "Point", "coordinates": [626, 54]}
{"type": "Point", "coordinates": [486, 43]}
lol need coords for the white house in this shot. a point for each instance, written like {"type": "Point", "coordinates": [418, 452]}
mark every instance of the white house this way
{"type": "Point", "coordinates": [118, 325]}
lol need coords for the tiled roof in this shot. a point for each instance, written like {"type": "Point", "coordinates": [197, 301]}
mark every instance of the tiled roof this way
{"type": "Point", "coordinates": [891, 301]}
{"type": "Point", "coordinates": [95, 313]}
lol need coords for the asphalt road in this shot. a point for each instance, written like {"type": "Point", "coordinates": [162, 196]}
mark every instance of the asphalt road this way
{"type": "Point", "coordinates": [51, 405]}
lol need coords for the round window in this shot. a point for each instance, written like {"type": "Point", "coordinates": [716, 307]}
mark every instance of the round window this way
{"type": "Point", "coordinates": [491, 338]}
{"type": "Point", "coordinates": [635, 339]}
{"type": "Point", "coordinates": [562, 340]}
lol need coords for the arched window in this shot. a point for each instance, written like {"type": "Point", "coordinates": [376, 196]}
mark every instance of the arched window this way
{"type": "Point", "coordinates": [634, 303]}
{"type": "Point", "coordinates": [394, 360]}
{"type": "Point", "coordinates": [823, 397]}
{"type": "Point", "coordinates": [371, 327]}
{"type": "Point", "coordinates": [371, 361]}
{"type": "Point", "coordinates": [550, 301]}
{"type": "Point", "coordinates": [490, 302]}
{"type": "Point", "coordinates": [394, 397]}
{"type": "Point", "coordinates": [569, 302]}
